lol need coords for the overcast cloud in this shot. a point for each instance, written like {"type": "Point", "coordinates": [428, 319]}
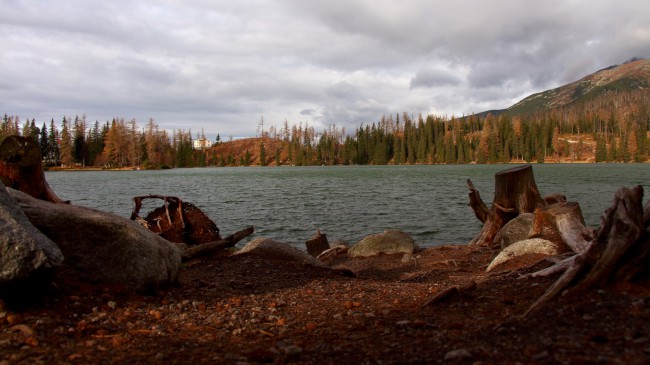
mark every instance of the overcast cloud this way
{"type": "Point", "coordinates": [222, 65]}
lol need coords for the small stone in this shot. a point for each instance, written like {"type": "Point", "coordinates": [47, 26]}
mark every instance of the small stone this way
{"type": "Point", "coordinates": [111, 304]}
{"type": "Point", "coordinates": [292, 350]}
{"type": "Point", "coordinates": [459, 354]}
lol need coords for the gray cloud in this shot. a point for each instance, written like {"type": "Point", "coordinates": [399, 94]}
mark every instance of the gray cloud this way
{"type": "Point", "coordinates": [431, 77]}
{"type": "Point", "coordinates": [219, 66]}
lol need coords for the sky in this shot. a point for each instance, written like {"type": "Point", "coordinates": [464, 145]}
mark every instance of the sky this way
{"type": "Point", "coordinates": [222, 67]}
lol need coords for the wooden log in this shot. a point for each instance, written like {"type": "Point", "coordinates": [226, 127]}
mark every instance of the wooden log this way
{"type": "Point", "coordinates": [21, 168]}
{"type": "Point", "coordinates": [563, 224]}
{"type": "Point", "coordinates": [481, 211]}
{"type": "Point", "coordinates": [206, 248]}
{"type": "Point", "coordinates": [515, 192]}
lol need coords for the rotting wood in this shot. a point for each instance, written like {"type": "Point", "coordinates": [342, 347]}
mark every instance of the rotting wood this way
{"type": "Point", "coordinates": [209, 247]}
{"type": "Point", "coordinates": [177, 221]}
{"type": "Point", "coordinates": [515, 192]}
{"type": "Point", "coordinates": [21, 168]}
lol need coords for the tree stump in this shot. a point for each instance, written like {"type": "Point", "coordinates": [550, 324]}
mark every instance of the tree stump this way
{"type": "Point", "coordinates": [620, 252]}
{"type": "Point", "coordinates": [21, 168]}
{"type": "Point", "coordinates": [515, 192]}
{"type": "Point", "coordinates": [563, 224]}
{"type": "Point", "coordinates": [317, 244]}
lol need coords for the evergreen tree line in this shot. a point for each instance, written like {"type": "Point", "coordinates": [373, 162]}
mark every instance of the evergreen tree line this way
{"type": "Point", "coordinates": [610, 128]}
{"type": "Point", "coordinates": [114, 144]}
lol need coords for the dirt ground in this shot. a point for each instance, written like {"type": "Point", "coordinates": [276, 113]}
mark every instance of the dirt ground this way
{"type": "Point", "coordinates": [247, 309]}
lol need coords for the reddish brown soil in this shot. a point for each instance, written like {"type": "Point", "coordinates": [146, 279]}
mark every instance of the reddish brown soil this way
{"type": "Point", "coordinates": [248, 310]}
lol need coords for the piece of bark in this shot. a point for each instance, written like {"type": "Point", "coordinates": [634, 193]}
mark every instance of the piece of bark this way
{"type": "Point", "coordinates": [317, 244]}
{"type": "Point", "coordinates": [515, 192]}
{"type": "Point", "coordinates": [481, 211]}
{"type": "Point", "coordinates": [446, 294]}
{"type": "Point", "coordinates": [206, 248]}
{"type": "Point", "coordinates": [21, 168]}
{"type": "Point", "coordinates": [563, 224]}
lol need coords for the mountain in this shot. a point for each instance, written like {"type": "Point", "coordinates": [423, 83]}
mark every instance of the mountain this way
{"type": "Point", "coordinates": [634, 74]}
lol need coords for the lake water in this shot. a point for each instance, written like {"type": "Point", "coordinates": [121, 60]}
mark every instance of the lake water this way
{"type": "Point", "coordinates": [345, 202]}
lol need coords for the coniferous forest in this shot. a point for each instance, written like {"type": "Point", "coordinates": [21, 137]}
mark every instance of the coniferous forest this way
{"type": "Point", "coordinates": [609, 128]}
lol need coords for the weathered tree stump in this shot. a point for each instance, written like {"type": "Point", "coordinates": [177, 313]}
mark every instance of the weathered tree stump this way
{"type": "Point", "coordinates": [515, 192]}
{"type": "Point", "coordinates": [620, 251]}
{"type": "Point", "coordinates": [21, 168]}
{"type": "Point", "coordinates": [317, 244]}
{"type": "Point", "coordinates": [563, 224]}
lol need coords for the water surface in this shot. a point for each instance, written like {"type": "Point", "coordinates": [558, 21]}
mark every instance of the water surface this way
{"type": "Point", "coordinates": [346, 202]}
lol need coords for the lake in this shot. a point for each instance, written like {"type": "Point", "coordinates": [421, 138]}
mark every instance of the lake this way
{"type": "Point", "coordinates": [345, 202]}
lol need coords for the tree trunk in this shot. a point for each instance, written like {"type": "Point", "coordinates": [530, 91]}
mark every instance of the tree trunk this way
{"type": "Point", "coordinates": [620, 252]}
{"type": "Point", "coordinates": [21, 168]}
{"type": "Point", "coordinates": [562, 223]}
{"type": "Point", "coordinates": [515, 192]}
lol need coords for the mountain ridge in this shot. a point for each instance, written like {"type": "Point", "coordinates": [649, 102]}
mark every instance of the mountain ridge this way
{"type": "Point", "coordinates": [634, 74]}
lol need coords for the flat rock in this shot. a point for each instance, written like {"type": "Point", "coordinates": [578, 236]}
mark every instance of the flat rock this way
{"type": "Point", "coordinates": [25, 252]}
{"type": "Point", "coordinates": [532, 246]}
{"type": "Point", "coordinates": [101, 247]}
{"type": "Point", "coordinates": [388, 242]}
{"type": "Point", "coordinates": [275, 250]}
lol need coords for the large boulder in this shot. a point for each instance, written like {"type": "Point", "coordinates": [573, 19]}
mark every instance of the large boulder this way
{"type": "Point", "coordinates": [388, 242]}
{"type": "Point", "coordinates": [515, 230]}
{"type": "Point", "coordinates": [26, 254]}
{"type": "Point", "coordinates": [533, 247]}
{"type": "Point", "coordinates": [101, 247]}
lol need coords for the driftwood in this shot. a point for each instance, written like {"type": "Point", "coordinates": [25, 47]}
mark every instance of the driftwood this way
{"type": "Point", "coordinates": [177, 221]}
{"type": "Point", "coordinates": [515, 192]}
{"type": "Point", "coordinates": [620, 251]}
{"type": "Point", "coordinates": [21, 168]}
{"type": "Point", "coordinates": [206, 248]}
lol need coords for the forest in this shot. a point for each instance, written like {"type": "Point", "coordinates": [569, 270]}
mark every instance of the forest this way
{"type": "Point", "coordinates": [609, 128]}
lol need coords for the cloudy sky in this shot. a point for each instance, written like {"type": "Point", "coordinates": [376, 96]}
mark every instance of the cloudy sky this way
{"type": "Point", "coordinates": [222, 65]}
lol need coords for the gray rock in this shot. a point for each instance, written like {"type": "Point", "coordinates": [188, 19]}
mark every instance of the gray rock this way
{"type": "Point", "coordinates": [388, 242]}
{"type": "Point", "coordinates": [514, 231]}
{"type": "Point", "coordinates": [525, 247]}
{"type": "Point", "coordinates": [103, 247]}
{"type": "Point", "coordinates": [25, 252]}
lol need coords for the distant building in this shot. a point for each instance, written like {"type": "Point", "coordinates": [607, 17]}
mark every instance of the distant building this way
{"type": "Point", "coordinates": [202, 143]}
